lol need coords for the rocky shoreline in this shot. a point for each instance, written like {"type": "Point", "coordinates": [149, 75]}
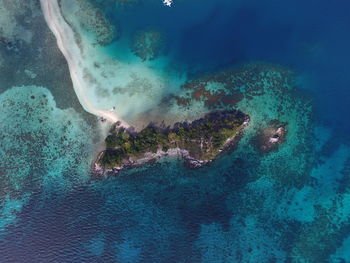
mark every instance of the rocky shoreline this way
{"type": "Point", "coordinates": [148, 157]}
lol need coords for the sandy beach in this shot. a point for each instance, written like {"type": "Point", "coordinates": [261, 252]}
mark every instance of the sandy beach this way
{"type": "Point", "coordinates": [66, 43]}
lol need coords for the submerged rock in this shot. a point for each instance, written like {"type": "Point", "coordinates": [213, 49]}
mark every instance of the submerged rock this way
{"type": "Point", "coordinates": [271, 136]}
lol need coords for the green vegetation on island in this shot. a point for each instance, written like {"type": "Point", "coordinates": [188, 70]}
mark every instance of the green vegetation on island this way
{"type": "Point", "coordinates": [203, 139]}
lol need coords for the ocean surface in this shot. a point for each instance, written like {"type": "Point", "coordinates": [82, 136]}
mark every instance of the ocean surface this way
{"type": "Point", "coordinates": [285, 61]}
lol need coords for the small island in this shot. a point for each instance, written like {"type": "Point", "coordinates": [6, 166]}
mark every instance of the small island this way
{"type": "Point", "coordinates": [270, 137]}
{"type": "Point", "coordinates": [198, 142]}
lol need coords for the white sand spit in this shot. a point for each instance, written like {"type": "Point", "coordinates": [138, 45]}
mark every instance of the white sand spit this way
{"type": "Point", "coordinates": [72, 53]}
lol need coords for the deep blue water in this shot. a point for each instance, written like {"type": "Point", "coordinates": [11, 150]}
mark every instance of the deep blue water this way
{"type": "Point", "coordinates": [245, 207]}
{"type": "Point", "coordinates": [311, 37]}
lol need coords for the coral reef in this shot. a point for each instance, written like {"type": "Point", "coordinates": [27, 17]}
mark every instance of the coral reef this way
{"type": "Point", "coordinates": [16, 30]}
{"type": "Point", "coordinates": [94, 21]}
{"type": "Point", "coordinates": [227, 88]}
{"type": "Point", "coordinates": [40, 146]}
{"type": "Point", "coordinates": [148, 44]}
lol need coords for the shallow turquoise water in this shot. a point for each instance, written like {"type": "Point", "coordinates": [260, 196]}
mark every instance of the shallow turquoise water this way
{"type": "Point", "coordinates": [289, 205]}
